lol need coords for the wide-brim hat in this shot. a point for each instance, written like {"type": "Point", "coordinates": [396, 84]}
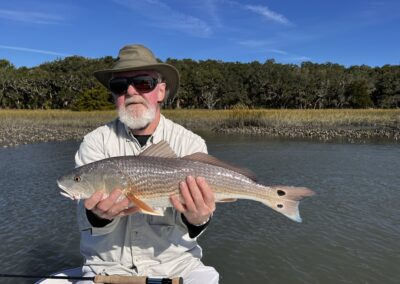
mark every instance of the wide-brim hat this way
{"type": "Point", "coordinates": [138, 57]}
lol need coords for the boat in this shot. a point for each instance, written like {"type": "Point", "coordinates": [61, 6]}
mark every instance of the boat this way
{"type": "Point", "coordinates": [72, 272]}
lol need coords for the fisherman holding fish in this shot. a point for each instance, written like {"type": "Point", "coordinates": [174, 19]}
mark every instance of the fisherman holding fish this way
{"type": "Point", "coordinates": [115, 237]}
{"type": "Point", "coordinates": [143, 162]}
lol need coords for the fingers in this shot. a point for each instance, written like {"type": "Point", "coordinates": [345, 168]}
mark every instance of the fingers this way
{"type": "Point", "coordinates": [129, 211]}
{"type": "Point", "coordinates": [91, 202]}
{"type": "Point", "coordinates": [109, 207]}
{"type": "Point", "coordinates": [198, 201]}
{"type": "Point", "coordinates": [197, 193]}
{"type": "Point", "coordinates": [207, 193]}
{"type": "Point", "coordinates": [177, 204]}
{"type": "Point", "coordinates": [186, 191]}
{"type": "Point", "coordinates": [110, 201]}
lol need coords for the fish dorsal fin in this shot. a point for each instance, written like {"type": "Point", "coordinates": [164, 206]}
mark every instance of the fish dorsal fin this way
{"type": "Point", "coordinates": [208, 159]}
{"type": "Point", "coordinates": [161, 149]}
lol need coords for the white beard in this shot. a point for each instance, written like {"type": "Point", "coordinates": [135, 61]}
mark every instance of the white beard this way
{"type": "Point", "coordinates": [135, 121]}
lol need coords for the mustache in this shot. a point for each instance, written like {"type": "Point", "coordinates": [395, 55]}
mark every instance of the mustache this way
{"type": "Point", "coordinates": [135, 100]}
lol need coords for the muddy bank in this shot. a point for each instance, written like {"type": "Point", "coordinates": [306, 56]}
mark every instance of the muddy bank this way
{"type": "Point", "coordinates": [11, 136]}
{"type": "Point", "coordinates": [348, 134]}
{"type": "Point", "coordinates": [14, 135]}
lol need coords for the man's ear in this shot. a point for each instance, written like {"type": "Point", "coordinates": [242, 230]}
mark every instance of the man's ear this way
{"type": "Point", "coordinates": [161, 92]}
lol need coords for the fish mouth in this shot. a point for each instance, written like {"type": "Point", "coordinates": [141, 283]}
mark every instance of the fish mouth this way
{"type": "Point", "coordinates": [65, 192]}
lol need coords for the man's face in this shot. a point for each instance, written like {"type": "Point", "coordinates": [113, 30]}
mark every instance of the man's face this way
{"type": "Point", "coordinates": [136, 109]}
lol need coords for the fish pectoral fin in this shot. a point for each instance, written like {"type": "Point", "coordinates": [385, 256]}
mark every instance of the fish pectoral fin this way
{"type": "Point", "coordinates": [143, 206]}
{"type": "Point", "coordinates": [228, 200]}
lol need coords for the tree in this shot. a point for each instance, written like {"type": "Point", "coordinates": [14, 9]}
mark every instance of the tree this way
{"type": "Point", "coordinates": [97, 98]}
{"type": "Point", "coordinates": [358, 95]}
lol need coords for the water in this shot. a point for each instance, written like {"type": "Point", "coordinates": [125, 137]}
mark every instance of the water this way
{"type": "Point", "coordinates": [349, 234]}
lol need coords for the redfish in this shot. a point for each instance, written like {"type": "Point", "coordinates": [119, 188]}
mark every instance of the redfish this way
{"type": "Point", "coordinates": [148, 181]}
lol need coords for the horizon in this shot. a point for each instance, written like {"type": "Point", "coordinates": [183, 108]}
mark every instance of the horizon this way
{"type": "Point", "coordinates": [348, 34]}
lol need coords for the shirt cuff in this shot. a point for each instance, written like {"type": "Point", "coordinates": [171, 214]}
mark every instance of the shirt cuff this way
{"type": "Point", "coordinates": [96, 221]}
{"type": "Point", "coordinates": [195, 230]}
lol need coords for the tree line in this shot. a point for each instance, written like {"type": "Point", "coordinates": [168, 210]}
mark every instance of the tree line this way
{"type": "Point", "coordinates": [69, 84]}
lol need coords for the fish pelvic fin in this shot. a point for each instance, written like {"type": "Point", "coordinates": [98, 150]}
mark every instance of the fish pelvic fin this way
{"type": "Point", "coordinates": [286, 199]}
{"type": "Point", "coordinates": [227, 200]}
{"type": "Point", "coordinates": [143, 206]}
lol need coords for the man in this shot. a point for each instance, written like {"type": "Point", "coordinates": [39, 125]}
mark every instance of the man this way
{"type": "Point", "coordinates": [115, 238]}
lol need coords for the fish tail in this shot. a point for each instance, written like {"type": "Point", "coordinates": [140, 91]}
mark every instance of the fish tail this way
{"type": "Point", "coordinates": [286, 199]}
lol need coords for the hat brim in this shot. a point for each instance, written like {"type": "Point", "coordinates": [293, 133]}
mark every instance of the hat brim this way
{"type": "Point", "coordinates": [168, 73]}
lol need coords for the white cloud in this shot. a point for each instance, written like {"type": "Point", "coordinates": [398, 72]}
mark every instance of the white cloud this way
{"type": "Point", "coordinates": [298, 58]}
{"type": "Point", "coordinates": [278, 51]}
{"type": "Point", "coordinates": [267, 13]}
{"type": "Point", "coordinates": [268, 46]}
{"type": "Point", "coordinates": [211, 8]}
{"type": "Point", "coordinates": [163, 16]}
{"type": "Point", "coordinates": [254, 43]}
{"type": "Point", "coordinates": [17, 48]}
{"type": "Point", "coordinates": [30, 17]}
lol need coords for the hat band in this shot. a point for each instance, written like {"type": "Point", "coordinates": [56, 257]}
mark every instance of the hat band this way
{"type": "Point", "coordinates": [134, 63]}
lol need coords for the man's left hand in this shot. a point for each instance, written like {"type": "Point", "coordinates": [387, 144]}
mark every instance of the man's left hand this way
{"type": "Point", "coordinates": [198, 200]}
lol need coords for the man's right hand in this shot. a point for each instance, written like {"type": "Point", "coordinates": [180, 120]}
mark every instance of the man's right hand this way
{"type": "Point", "coordinates": [109, 207]}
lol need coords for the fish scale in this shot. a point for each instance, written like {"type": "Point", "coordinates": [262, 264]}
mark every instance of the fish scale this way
{"type": "Point", "coordinates": [154, 179]}
{"type": "Point", "coordinates": [149, 180]}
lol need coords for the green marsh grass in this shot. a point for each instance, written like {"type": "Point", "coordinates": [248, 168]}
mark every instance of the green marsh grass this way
{"type": "Point", "coordinates": [329, 118]}
{"type": "Point", "coordinates": [31, 126]}
{"type": "Point", "coordinates": [209, 119]}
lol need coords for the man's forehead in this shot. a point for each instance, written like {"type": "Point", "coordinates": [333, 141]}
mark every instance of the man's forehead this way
{"type": "Point", "coordinates": [135, 72]}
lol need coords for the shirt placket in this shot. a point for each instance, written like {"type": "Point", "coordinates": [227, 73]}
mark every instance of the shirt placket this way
{"type": "Point", "coordinates": [137, 235]}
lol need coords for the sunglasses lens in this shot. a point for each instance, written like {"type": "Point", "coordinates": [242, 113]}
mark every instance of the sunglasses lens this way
{"type": "Point", "coordinates": [142, 84]}
{"type": "Point", "coordinates": [118, 85]}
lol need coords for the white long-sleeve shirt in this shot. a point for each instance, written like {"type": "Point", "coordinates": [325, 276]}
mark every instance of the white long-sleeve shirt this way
{"type": "Point", "coordinates": [138, 244]}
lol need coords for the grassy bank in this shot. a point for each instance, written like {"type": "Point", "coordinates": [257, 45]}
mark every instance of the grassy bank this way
{"type": "Point", "coordinates": [29, 126]}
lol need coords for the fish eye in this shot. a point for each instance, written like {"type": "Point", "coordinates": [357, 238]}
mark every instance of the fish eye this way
{"type": "Point", "coordinates": [77, 178]}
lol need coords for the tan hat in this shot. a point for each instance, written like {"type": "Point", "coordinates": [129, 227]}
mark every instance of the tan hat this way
{"type": "Point", "coordinates": [138, 57]}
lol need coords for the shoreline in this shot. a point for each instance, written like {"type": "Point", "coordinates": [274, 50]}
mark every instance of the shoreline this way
{"type": "Point", "coordinates": [21, 127]}
{"type": "Point", "coordinates": [22, 135]}
{"type": "Point", "coordinates": [348, 134]}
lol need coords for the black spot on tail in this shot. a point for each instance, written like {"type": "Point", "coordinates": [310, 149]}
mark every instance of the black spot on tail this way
{"type": "Point", "coordinates": [281, 192]}
{"type": "Point", "coordinates": [280, 205]}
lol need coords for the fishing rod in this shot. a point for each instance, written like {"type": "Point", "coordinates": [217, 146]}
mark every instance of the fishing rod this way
{"type": "Point", "coordinates": [111, 279]}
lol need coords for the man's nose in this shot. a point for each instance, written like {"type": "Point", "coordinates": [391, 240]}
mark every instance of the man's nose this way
{"type": "Point", "coordinates": [131, 91]}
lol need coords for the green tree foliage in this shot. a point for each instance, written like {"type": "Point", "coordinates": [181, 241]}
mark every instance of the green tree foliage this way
{"type": "Point", "coordinates": [358, 95]}
{"type": "Point", "coordinates": [69, 84]}
{"type": "Point", "coordinates": [97, 98]}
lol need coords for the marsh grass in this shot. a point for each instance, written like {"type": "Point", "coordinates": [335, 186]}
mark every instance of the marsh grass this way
{"type": "Point", "coordinates": [286, 118]}
{"type": "Point", "coordinates": [58, 118]}
{"type": "Point", "coordinates": [28, 126]}
{"type": "Point", "coordinates": [210, 119]}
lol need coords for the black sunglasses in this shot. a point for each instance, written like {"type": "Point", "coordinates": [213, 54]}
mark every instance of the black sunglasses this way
{"type": "Point", "coordinates": [142, 84]}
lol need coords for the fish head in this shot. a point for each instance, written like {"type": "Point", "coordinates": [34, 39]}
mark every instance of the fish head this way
{"type": "Point", "coordinates": [82, 182]}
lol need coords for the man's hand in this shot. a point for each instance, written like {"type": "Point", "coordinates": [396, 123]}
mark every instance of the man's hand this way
{"type": "Point", "coordinates": [198, 200]}
{"type": "Point", "coordinates": [109, 207]}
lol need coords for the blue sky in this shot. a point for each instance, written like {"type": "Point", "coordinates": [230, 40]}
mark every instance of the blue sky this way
{"type": "Point", "coordinates": [345, 32]}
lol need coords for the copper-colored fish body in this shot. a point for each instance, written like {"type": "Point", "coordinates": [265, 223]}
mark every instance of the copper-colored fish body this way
{"type": "Point", "coordinates": [149, 180]}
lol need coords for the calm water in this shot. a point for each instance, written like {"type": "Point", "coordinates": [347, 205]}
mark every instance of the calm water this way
{"type": "Point", "coordinates": [350, 231]}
